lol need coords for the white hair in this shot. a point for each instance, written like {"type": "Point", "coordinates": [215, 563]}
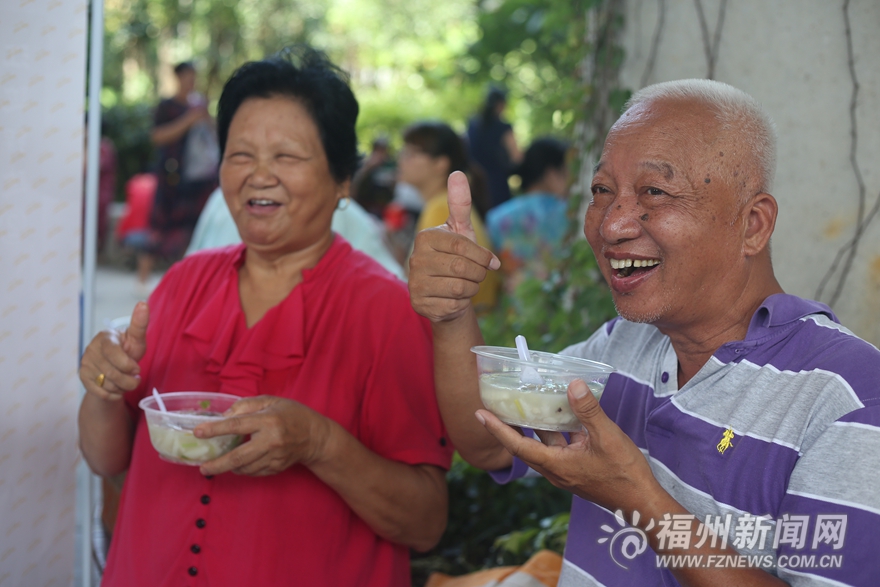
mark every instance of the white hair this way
{"type": "Point", "coordinates": [734, 109]}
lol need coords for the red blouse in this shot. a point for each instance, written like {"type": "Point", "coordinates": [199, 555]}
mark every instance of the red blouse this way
{"type": "Point", "coordinates": [346, 343]}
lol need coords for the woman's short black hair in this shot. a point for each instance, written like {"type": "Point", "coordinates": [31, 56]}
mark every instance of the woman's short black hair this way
{"type": "Point", "coordinates": [543, 154]}
{"type": "Point", "coordinates": [307, 76]}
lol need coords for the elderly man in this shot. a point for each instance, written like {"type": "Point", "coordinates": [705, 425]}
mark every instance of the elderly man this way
{"type": "Point", "coordinates": [740, 437]}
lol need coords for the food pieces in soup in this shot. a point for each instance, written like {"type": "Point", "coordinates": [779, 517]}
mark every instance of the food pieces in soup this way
{"type": "Point", "coordinates": [179, 445]}
{"type": "Point", "coordinates": [543, 407]}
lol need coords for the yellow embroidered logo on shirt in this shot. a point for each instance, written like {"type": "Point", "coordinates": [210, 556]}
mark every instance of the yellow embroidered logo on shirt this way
{"type": "Point", "coordinates": [725, 442]}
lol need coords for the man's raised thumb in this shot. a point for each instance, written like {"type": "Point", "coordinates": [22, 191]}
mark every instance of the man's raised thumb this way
{"type": "Point", "coordinates": [459, 200]}
{"type": "Point", "coordinates": [585, 405]}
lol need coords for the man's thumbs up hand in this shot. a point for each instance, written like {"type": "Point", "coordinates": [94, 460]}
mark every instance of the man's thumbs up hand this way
{"type": "Point", "coordinates": [447, 265]}
{"type": "Point", "coordinates": [459, 200]}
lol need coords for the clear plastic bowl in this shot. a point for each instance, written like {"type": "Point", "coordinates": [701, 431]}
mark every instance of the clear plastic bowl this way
{"type": "Point", "coordinates": [171, 431]}
{"type": "Point", "coordinates": [541, 407]}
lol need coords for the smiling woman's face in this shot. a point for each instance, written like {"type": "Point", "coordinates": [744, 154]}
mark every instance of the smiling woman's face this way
{"type": "Point", "coordinates": [275, 177]}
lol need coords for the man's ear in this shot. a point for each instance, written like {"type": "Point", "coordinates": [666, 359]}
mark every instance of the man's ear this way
{"type": "Point", "coordinates": [760, 220]}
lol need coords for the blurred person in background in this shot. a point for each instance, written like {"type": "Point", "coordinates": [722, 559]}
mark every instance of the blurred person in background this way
{"type": "Point", "coordinates": [343, 467]}
{"type": "Point", "coordinates": [373, 184]}
{"type": "Point", "coordinates": [187, 171]}
{"type": "Point", "coordinates": [493, 146]}
{"type": "Point", "coordinates": [400, 217]}
{"type": "Point", "coordinates": [431, 151]}
{"type": "Point", "coordinates": [396, 203]}
{"type": "Point", "coordinates": [527, 231]}
{"type": "Point", "coordinates": [133, 230]}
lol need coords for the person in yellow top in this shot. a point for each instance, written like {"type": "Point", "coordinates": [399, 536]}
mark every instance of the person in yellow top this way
{"type": "Point", "coordinates": [431, 151]}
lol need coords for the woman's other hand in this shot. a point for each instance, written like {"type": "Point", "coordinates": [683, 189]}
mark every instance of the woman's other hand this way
{"type": "Point", "coordinates": [282, 433]}
{"type": "Point", "coordinates": [109, 365]}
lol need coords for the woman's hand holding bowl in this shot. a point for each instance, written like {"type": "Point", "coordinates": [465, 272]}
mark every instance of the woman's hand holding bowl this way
{"type": "Point", "coordinates": [109, 365]}
{"type": "Point", "coordinates": [282, 433]}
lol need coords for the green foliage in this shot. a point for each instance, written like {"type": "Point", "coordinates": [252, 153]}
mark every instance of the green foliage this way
{"type": "Point", "coordinates": [550, 534]}
{"type": "Point", "coordinates": [534, 48]}
{"type": "Point", "coordinates": [142, 36]}
{"type": "Point", "coordinates": [493, 525]}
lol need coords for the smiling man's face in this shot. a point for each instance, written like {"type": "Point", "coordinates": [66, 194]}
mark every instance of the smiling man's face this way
{"type": "Point", "coordinates": [664, 221]}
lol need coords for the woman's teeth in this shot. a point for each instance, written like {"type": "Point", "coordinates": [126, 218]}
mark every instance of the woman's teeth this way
{"type": "Point", "coordinates": [258, 202]}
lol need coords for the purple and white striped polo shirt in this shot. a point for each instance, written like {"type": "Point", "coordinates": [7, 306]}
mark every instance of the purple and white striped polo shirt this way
{"type": "Point", "coordinates": [783, 425]}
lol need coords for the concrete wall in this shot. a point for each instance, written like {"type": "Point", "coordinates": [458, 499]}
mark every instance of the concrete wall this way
{"type": "Point", "coordinates": [791, 55]}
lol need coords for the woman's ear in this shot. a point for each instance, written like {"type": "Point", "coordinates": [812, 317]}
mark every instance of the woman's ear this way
{"type": "Point", "coordinates": [343, 190]}
{"type": "Point", "coordinates": [442, 165]}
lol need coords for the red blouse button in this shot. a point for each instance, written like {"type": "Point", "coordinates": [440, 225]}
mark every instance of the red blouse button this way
{"type": "Point", "coordinates": [200, 523]}
{"type": "Point", "coordinates": [206, 499]}
{"type": "Point", "coordinates": [193, 571]}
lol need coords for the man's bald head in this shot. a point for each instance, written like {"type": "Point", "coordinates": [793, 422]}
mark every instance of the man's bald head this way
{"type": "Point", "coordinates": [745, 133]}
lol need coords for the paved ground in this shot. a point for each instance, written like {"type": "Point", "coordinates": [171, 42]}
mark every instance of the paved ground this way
{"type": "Point", "coordinates": [116, 293]}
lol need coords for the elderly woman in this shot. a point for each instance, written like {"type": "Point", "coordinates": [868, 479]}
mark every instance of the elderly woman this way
{"type": "Point", "coordinates": [343, 468]}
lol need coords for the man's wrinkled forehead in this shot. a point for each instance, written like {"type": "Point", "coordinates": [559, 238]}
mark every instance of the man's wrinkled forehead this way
{"type": "Point", "coordinates": [672, 116]}
{"type": "Point", "coordinates": [664, 131]}
{"type": "Point", "coordinates": [661, 167]}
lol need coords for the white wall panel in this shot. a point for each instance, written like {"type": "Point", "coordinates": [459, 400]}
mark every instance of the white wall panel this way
{"type": "Point", "coordinates": [42, 78]}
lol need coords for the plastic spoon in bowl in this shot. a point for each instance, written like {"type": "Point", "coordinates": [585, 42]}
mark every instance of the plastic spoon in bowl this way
{"type": "Point", "coordinates": [159, 400]}
{"type": "Point", "coordinates": [528, 375]}
{"type": "Point", "coordinates": [165, 421]}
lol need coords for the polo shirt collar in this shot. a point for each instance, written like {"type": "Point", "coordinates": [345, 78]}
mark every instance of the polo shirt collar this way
{"type": "Point", "coordinates": [774, 318]}
{"type": "Point", "coordinates": [782, 309]}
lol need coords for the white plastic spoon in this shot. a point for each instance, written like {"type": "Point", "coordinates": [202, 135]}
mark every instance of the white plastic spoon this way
{"type": "Point", "coordinates": [528, 375]}
{"type": "Point", "coordinates": [159, 400]}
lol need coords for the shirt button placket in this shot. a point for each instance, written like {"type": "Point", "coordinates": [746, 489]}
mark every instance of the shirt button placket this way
{"type": "Point", "coordinates": [205, 499]}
